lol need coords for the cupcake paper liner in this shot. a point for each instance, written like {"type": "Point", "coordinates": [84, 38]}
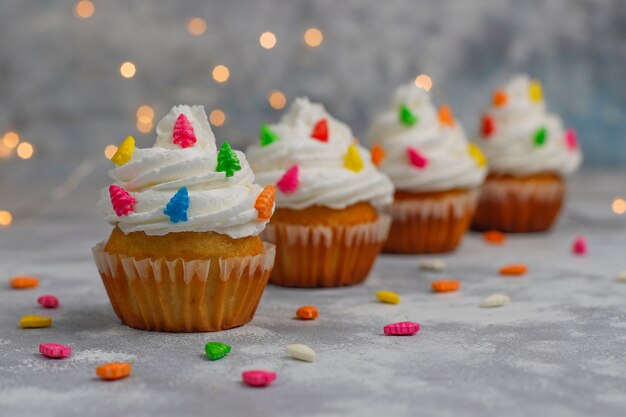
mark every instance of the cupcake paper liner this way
{"type": "Point", "coordinates": [324, 256]}
{"type": "Point", "coordinates": [184, 296]}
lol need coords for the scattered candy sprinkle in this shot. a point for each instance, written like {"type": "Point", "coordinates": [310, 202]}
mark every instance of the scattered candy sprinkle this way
{"type": "Point", "coordinates": [35, 322]}
{"type": "Point", "coordinates": [535, 91]}
{"type": "Point", "coordinates": [267, 135]}
{"type": "Point", "coordinates": [258, 378]}
{"type": "Point", "coordinates": [579, 247]}
{"type": "Point", "coordinates": [621, 277]}
{"type": "Point", "coordinates": [114, 370]}
{"type": "Point", "coordinates": [48, 301]}
{"type": "Point", "coordinates": [513, 269]}
{"type": "Point", "coordinates": [320, 131]}
{"type": "Point", "coordinates": [445, 115]}
{"type": "Point", "coordinates": [264, 203]}
{"type": "Point", "coordinates": [540, 136]}
{"type": "Point", "coordinates": [307, 313]}
{"type": "Point", "coordinates": [407, 117]}
{"type": "Point", "coordinates": [124, 152]}
{"type": "Point", "coordinates": [499, 98]}
{"type": "Point", "coordinates": [571, 139]}
{"type": "Point", "coordinates": [416, 158]}
{"type": "Point", "coordinates": [54, 351]}
{"type": "Point", "coordinates": [435, 265]}
{"type": "Point", "coordinates": [402, 328]}
{"type": "Point", "coordinates": [23, 282]}
{"type": "Point", "coordinates": [388, 297]}
{"type": "Point", "coordinates": [488, 126]}
{"type": "Point", "coordinates": [477, 154]}
{"type": "Point", "coordinates": [183, 134]}
{"type": "Point", "coordinates": [446, 285]}
{"type": "Point", "coordinates": [176, 208]}
{"type": "Point", "coordinates": [301, 352]}
{"type": "Point", "coordinates": [227, 160]}
{"type": "Point", "coordinates": [494, 237]}
{"type": "Point", "coordinates": [123, 203]}
{"type": "Point", "coordinates": [352, 161]}
{"type": "Point", "coordinates": [288, 183]}
{"type": "Point", "coordinates": [495, 300]}
{"type": "Point", "coordinates": [378, 154]}
{"type": "Point", "coordinates": [216, 350]}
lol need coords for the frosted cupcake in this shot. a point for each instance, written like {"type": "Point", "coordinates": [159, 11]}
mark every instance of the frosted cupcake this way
{"type": "Point", "coordinates": [425, 153]}
{"type": "Point", "coordinates": [185, 254]}
{"type": "Point", "coordinates": [529, 154]}
{"type": "Point", "coordinates": [327, 226]}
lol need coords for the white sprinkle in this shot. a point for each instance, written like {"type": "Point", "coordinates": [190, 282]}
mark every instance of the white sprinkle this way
{"type": "Point", "coordinates": [622, 277]}
{"type": "Point", "coordinates": [495, 300]}
{"type": "Point", "coordinates": [433, 265]}
{"type": "Point", "coordinates": [301, 352]}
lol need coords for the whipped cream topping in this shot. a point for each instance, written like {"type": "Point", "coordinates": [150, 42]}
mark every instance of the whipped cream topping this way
{"type": "Point", "coordinates": [447, 165]}
{"type": "Point", "coordinates": [510, 143]}
{"type": "Point", "coordinates": [323, 178]}
{"type": "Point", "coordinates": [152, 176]}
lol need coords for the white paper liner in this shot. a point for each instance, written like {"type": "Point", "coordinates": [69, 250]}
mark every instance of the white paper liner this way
{"type": "Point", "coordinates": [538, 190]}
{"type": "Point", "coordinates": [436, 207]}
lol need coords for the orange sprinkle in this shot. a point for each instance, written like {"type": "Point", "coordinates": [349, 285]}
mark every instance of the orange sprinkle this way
{"type": "Point", "coordinates": [24, 282]}
{"type": "Point", "coordinates": [307, 313]}
{"type": "Point", "coordinates": [494, 237]}
{"type": "Point", "coordinates": [513, 269]}
{"type": "Point", "coordinates": [265, 202]}
{"type": "Point", "coordinates": [445, 115]}
{"type": "Point", "coordinates": [499, 98]}
{"type": "Point", "coordinates": [446, 285]}
{"type": "Point", "coordinates": [378, 154]}
{"type": "Point", "coordinates": [114, 370]}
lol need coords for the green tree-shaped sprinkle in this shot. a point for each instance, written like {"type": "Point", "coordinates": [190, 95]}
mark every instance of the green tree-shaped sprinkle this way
{"type": "Point", "coordinates": [407, 117]}
{"type": "Point", "coordinates": [540, 136]}
{"type": "Point", "coordinates": [227, 160]}
{"type": "Point", "coordinates": [267, 135]}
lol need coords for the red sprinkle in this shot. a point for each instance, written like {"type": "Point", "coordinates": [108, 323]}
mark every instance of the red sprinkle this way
{"type": "Point", "coordinates": [123, 203]}
{"type": "Point", "coordinates": [402, 328]}
{"type": "Point", "coordinates": [488, 126]}
{"type": "Point", "coordinates": [48, 301]}
{"type": "Point", "coordinates": [288, 183]}
{"type": "Point", "coordinates": [579, 247]}
{"type": "Point", "coordinates": [258, 378]}
{"type": "Point", "coordinates": [183, 134]}
{"type": "Point", "coordinates": [320, 131]}
{"type": "Point", "coordinates": [417, 159]}
{"type": "Point", "coordinates": [54, 351]}
{"type": "Point", "coordinates": [571, 139]}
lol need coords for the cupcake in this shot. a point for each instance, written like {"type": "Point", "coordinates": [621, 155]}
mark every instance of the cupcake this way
{"type": "Point", "coordinates": [529, 156]}
{"type": "Point", "coordinates": [327, 227]}
{"type": "Point", "coordinates": [185, 253]}
{"type": "Point", "coordinates": [425, 153]}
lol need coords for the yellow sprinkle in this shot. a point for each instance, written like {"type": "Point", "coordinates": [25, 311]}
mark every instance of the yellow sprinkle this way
{"type": "Point", "coordinates": [535, 91]}
{"type": "Point", "coordinates": [477, 154]}
{"type": "Point", "coordinates": [352, 160]}
{"type": "Point", "coordinates": [35, 322]}
{"type": "Point", "coordinates": [388, 297]}
{"type": "Point", "coordinates": [124, 152]}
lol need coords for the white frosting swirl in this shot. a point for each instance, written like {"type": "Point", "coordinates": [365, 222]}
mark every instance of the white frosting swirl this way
{"type": "Point", "coordinates": [450, 165]}
{"type": "Point", "coordinates": [152, 176]}
{"type": "Point", "coordinates": [323, 179]}
{"type": "Point", "coordinates": [511, 149]}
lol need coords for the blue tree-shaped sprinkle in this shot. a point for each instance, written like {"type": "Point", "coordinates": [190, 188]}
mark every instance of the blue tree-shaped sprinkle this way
{"type": "Point", "coordinates": [178, 205]}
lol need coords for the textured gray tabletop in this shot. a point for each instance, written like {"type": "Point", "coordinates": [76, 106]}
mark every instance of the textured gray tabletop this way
{"type": "Point", "coordinates": [556, 350]}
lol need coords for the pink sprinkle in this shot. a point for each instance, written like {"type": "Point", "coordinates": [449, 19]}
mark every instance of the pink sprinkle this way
{"type": "Point", "coordinates": [258, 378]}
{"type": "Point", "coordinates": [579, 247]}
{"type": "Point", "coordinates": [571, 139]}
{"type": "Point", "coordinates": [48, 301]}
{"type": "Point", "coordinates": [183, 133]}
{"type": "Point", "coordinates": [289, 181]}
{"type": "Point", "coordinates": [402, 328]}
{"type": "Point", "coordinates": [123, 203]}
{"type": "Point", "coordinates": [54, 351]}
{"type": "Point", "coordinates": [417, 159]}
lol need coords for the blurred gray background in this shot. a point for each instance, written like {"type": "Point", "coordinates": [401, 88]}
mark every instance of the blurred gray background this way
{"type": "Point", "coordinates": [61, 88]}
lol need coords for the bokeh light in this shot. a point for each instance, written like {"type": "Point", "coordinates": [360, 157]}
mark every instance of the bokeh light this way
{"type": "Point", "coordinates": [109, 151]}
{"type": "Point", "coordinates": [145, 114]}
{"type": "Point", "coordinates": [619, 206]}
{"type": "Point", "coordinates": [84, 9]}
{"type": "Point", "coordinates": [267, 40]}
{"type": "Point", "coordinates": [11, 140]}
{"type": "Point", "coordinates": [313, 37]}
{"type": "Point", "coordinates": [221, 73]}
{"type": "Point", "coordinates": [276, 99]}
{"type": "Point", "coordinates": [128, 69]}
{"type": "Point", "coordinates": [196, 26]}
{"type": "Point", "coordinates": [217, 117]}
{"type": "Point", "coordinates": [144, 127]}
{"type": "Point", "coordinates": [4, 151]}
{"type": "Point", "coordinates": [25, 150]}
{"type": "Point", "coordinates": [424, 81]}
{"type": "Point", "coordinates": [6, 218]}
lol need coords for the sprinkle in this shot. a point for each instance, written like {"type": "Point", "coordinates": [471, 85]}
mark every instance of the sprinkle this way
{"type": "Point", "coordinates": [540, 136]}
{"type": "Point", "coordinates": [407, 117]}
{"type": "Point", "coordinates": [352, 160]}
{"type": "Point", "coordinates": [35, 322]}
{"type": "Point", "coordinates": [48, 301]}
{"type": "Point", "coordinates": [488, 126]}
{"type": "Point", "coordinates": [388, 297]}
{"type": "Point", "coordinates": [571, 139]}
{"type": "Point", "coordinates": [258, 378]}
{"type": "Point", "coordinates": [495, 300]}
{"type": "Point", "coordinates": [227, 160]}
{"type": "Point", "coordinates": [435, 265]}
{"type": "Point", "coordinates": [477, 154]}
{"type": "Point", "coordinates": [621, 277]}
{"type": "Point", "coordinates": [301, 352]}
{"type": "Point", "coordinates": [446, 285]}
{"type": "Point", "coordinates": [499, 98]}
{"type": "Point", "coordinates": [54, 351]}
{"type": "Point", "coordinates": [176, 208]}
{"type": "Point", "coordinates": [288, 183]}
{"type": "Point", "coordinates": [320, 131]}
{"type": "Point", "coordinates": [264, 203]}
{"type": "Point", "coordinates": [378, 154]}
{"type": "Point", "coordinates": [402, 328]}
{"type": "Point", "coordinates": [124, 152]}
{"type": "Point", "coordinates": [22, 282]}
{"type": "Point", "coordinates": [123, 203]}
{"type": "Point", "coordinates": [579, 247]}
{"type": "Point", "coordinates": [267, 135]}
{"type": "Point", "coordinates": [307, 313]}
{"type": "Point", "coordinates": [494, 237]}
{"type": "Point", "coordinates": [445, 115]}
{"type": "Point", "coordinates": [535, 91]}
{"type": "Point", "coordinates": [513, 269]}
{"type": "Point", "coordinates": [416, 158]}
{"type": "Point", "coordinates": [114, 370]}
{"type": "Point", "coordinates": [216, 350]}
{"type": "Point", "coordinates": [183, 134]}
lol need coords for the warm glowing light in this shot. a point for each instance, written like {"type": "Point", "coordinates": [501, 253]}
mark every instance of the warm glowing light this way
{"type": "Point", "coordinates": [217, 117]}
{"type": "Point", "coordinates": [196, 26]}
{"type": "Point", "coordinates": [277, 99]}
{"type": "Point", "coordinates": [619, 206]}
{"type": "Point", "coordinates": [109, 151]}
{"type": "Point", "coordinates": [144, 127]}
{"type": "Point", "coordinates": [25, 150]}
{"type": "Point", "coordinates": [267, 40]}
{"type": "Point", "coordinates": [145, 114]}
{"type": "Point", "coordinates": [313, 37]}
{"type": "Point", "coordinates": [11, 140]}
{"type": "Point", "coordinates": [221, 73]}
{"type": "Point", "coordinates": [424, 81]}
{"type": "Point", "coordinates": [84, 9]}
{"type": "Point", "coordinates": [6, 218]}
{"type": "Point", "coordinates": [4, 151]}
{"type": "Point", "coordinates": [127, 69]}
